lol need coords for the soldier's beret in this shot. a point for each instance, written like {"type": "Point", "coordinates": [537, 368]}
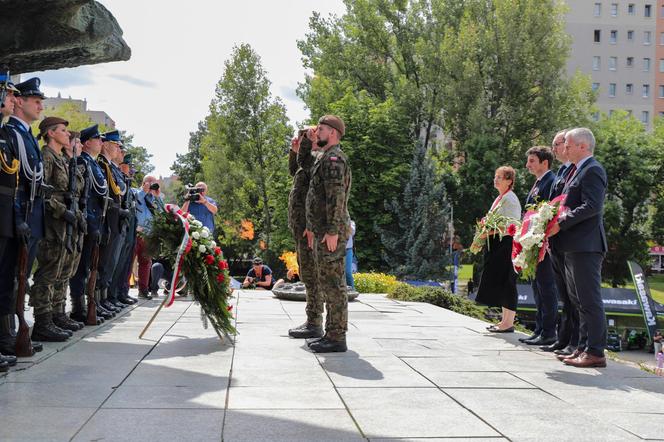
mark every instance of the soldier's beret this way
{"type": "Point", "coordinates": [30, 88]}
{"type": "Point", "coordinates": [127, 160]}
{"type": "Point", "coordinates": [333, 121]}
{"type": "Point", "coordinates": [89, 133]}
{"type": "Point", "coordinates": [50, 122]}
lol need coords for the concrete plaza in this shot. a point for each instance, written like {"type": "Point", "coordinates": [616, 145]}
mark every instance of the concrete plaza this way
{"type": "Point", "coordinates": [413, 372]}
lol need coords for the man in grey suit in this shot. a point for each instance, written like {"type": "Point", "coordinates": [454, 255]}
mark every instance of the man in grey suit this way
{"type": "Point", "coordinates": [582, 240]}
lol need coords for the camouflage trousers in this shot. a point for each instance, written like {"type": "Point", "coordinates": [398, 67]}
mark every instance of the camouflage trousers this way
{"type": "Point", "coordinates": [69, 267]}
{"type": "Point", "coordinates": [307, 265]}
{"type": "Point", "coordinates": [331, 278]}
{"type": "Point", "coordinates": [50, 256]}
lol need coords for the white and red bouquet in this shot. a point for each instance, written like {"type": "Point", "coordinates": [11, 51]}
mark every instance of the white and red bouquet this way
{"type": "Point", "coordinates": [531, 241]}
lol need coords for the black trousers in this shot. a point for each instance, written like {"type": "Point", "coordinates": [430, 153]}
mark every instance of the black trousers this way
{"type": "Point", "coordinates": [583, 277]}
{"type": "Point", "coordinates": [78, 282]}
{"type": "Point", "coordinates": [546, 298]}
{"type": "Point", "coordinates": [8, 256]}
{"type": "Point", "coordinates": [568, 324]}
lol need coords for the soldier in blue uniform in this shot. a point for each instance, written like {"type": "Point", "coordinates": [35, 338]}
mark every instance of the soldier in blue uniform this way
{"type": "Point", "coordinates": [111, 245]}
{"type": "Point", "coordinates": [97, 191]}
{"type": "Point", "coordinates": [8, 179]}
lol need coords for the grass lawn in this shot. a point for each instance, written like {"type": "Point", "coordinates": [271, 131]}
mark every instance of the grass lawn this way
{"type": "Point", "coordinates": [656, 282]}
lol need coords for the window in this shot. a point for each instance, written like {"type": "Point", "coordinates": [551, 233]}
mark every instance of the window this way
{"type": "Point", "coordinates": [646, 91]}
{"type": "Point", "coordinates": [661, 64]}
{"type": "Point", "coordinates": [645, 116]}
{"type": "Point", "coordinates": [597, 62]}
{"type": "Point", "coordinates": [598, 9]}
{"type": "Point", "coordinates": [611, 112]}
{"type": "Point", "coordinates": [596, 116]}
{"type": "Point", "coordinates": [647, 12]}
{"type": "Point", "coordinates": [661, 36]}
{"type": "Point", "coordinates": [629, 89]}
{"type": "Point", "coordinates": [595, 87]}
{"type": "Point", "coordinates": [661, 114]}
{"type": "Point", "coordinates": [629, 112]}
{"type": "Point", "coordinates": [630, 62]}
{"type": "Point", "coordinates": [612, 89]}
{"type": "Point", "coordinates": [614, 9]}
{"type": "Point", "coordinates": [613, 61]}
{"type": "Point", "coordinates": [647, 37]}
{"type": "Point", "coordinates": [631, 9]}
{"type": "Point", "coordinates": [613, 37]}
{"type": "Point", "coordinates": [597, 36]}
{"type": "Point", "coordinates": [646, 64]}
{"type": "Point", "coordinates": [661, 91]}
{"type": "Point", "coordinates": [630, 35]}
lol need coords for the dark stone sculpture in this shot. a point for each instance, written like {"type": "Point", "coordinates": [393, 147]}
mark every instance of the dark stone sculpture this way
{"type": "Point", "coordinates": [297, 292]}
{"type": "Point", "coordinates": [38, 35]}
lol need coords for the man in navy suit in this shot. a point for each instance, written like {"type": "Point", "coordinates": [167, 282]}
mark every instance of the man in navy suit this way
{"type": "Point", "coordinates": [582, 239]}
{"type": "Point", "coordinates": [544, 288]}
{"type": "Point", "coordinates": [568, 324]}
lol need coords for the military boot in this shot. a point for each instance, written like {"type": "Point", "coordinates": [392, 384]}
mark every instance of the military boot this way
{"type": "Point", "coordinates": [327, 345]}
{"type": "Point", "coordinates": [8, 336]}
{"type": "Point", "coordinates": [45, 330]}
{"type": "Point", "coordinates": [306, 330]}
{"type": "Point", "coordinates": [63, 321]}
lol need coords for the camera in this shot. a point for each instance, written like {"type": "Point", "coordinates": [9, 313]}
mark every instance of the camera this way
{"type": "Point", "coordinates": [193, 193]}
{"type": "Point", "coordinates": [154, 186]}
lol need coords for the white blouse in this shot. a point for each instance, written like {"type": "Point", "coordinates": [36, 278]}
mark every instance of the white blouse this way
{"type": "Point", "coordinates": [510, 206]}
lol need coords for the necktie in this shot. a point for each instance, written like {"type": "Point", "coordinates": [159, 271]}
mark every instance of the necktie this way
{"type": "Point", "coordinates": [570, 174]}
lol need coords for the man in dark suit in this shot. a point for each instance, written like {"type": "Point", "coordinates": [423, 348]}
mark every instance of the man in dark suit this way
{"type": "Point", "coordinates": [544, 288]}
{"type": "Point", "coordinates": [583, 242]}
{"type": "Point", "coordinates": [568, 321]}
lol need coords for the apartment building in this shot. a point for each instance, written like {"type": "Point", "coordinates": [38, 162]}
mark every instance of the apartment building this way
{"type": "Point", "coordinates": [620, 43]}
{"type": "Point", "coordinates": [99, 117]}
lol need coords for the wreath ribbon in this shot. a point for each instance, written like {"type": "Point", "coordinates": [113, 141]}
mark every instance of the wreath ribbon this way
{"type": "Point", "coordinates": [183, 249]}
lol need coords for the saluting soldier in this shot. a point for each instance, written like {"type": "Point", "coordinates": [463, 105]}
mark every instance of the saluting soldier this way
{"type": "Point", "coordinates": [328, 226]}
{"type": "Point", "coordinates": [51, 325]}
{"type": "Point", "coordinates": [8, 180]}
{"type": "Point", "coordinates": [112, 238]}
{"type": "Point", "coordinates": [96, 190]}
{"type": "Point", "coordinates": [300, 161]}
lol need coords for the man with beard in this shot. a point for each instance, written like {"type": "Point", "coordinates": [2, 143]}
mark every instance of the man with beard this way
{"type": "Point", "coordinates": [300, 160]}
{"type": "Point", "coordinates": [328, 228]}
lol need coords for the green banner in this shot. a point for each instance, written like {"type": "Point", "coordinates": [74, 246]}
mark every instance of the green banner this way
{"type": "Point", "coordinates": [644, 298]}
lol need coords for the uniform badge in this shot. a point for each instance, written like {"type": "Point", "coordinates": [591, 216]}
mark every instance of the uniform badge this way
{"type": "Point", "coordinates": [333, 158]}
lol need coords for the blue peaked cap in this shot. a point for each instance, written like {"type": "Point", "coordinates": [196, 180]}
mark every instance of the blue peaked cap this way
{"type": "Point", "coordinates": [113, 136]}
{"type": "Point", "coordinates": [89, 133]}
{"type": "Point", "coordinates": [30, 88]}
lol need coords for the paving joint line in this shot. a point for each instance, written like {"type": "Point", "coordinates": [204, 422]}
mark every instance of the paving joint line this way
{"type": "Point", "coordinates": [230, 371]}
{"type": "Point", "coordinates": [114, 389]}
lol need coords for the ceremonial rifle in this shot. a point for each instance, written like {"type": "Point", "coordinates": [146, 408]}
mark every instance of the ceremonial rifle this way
{"type": "Point", "coordinates": [23, 342]}
{"type": "Point", "coordinates": [73, 203]}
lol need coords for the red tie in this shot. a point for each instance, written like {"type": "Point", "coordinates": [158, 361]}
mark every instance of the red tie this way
{"type": "Point", "coordinates": [570, 175]}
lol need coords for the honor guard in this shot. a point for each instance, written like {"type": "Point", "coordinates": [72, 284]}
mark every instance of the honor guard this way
{"type": "Point", "coordinates": [96, 202]}
{"type": "Point", "coordinates": [51, 324]}
{"type": "Point", "coordinates": [9, 166]}
{"type": "Point", "coordinates": [328, 228]}
{"type": "Point", "coordinates": [300, 161]}
{"type": "Point", "coordinates": [111, 245]}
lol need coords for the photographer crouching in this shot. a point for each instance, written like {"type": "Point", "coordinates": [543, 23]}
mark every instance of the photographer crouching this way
{"type": "Point", "coordinates": [201, 206]}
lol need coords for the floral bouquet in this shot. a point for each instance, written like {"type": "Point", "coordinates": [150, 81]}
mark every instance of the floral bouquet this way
{"type": "Point", "coordinates": [183, 240]}
{"type": "Point", "coordinates": [492, 224]}
{"type": "Point", "coordinates": [532, 240]}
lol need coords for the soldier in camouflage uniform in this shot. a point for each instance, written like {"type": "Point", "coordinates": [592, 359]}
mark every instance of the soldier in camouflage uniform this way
{"type": "Point", "coordinates": [300, 161]}
{"type": "Point", "coordinates": [51, 251]}
{"type": "Point", "coordinates": [328, 228]}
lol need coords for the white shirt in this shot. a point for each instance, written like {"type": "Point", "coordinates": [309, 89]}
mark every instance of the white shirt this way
{"type": "Point", "coordinates": [510, 206]}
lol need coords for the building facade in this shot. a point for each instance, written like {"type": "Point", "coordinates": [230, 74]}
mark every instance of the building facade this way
{"type": "Point", "coordinates": [98, 117]}
{"type": "Point", "coordinates": [621, 45]}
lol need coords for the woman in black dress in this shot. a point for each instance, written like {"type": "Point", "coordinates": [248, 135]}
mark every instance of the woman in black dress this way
{"type": "Point", "coordinates": [498, 282]}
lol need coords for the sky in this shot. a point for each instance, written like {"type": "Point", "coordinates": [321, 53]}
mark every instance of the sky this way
{"type": "Point", "coordinates": [178, 54]}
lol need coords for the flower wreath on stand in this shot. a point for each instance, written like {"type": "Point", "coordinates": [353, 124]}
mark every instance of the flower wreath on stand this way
{"type": "Point", "coordinates": [183, 240]}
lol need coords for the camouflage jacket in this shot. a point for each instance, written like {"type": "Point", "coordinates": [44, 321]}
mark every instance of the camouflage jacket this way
{"type": "Point", "coordinates": [299, 165]}
{"type": "Point", "coordinates": [56, 174]}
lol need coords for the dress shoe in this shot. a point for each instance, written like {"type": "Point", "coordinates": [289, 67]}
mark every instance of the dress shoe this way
{"type": "Point", "coordinates": [9, 359]}
{"type": "Point", "coordinates": [553, 347]}
{"type": "Point", "coordinates": [541, 340]}
{"type": "Point", "coordinates": [4, 367]}
{"type": "Point", "coordinates": [501, 330]}
{"type": "Point", "coordinates": [529, 338]}
{"type": "Point", "coordinates": [586, 360]}
{"type": "Point", "coordinates": [565, 351]}
{"type": "Point", "coordinates": [576, 353]}
{"type": "Point", "coordinates": [127, 300]}
{"type": "Point", "coordinates": [102, 312]}
{"type": "Point", "coordinates": [119, 304]}
{"type": "Point", "coordinates": [326, 345]}
{"type": "Point", "coordinates": [144, 295]}
{"type": "Point", "coordinates": [305, 331]}
{"type": "Point", "coordinates": [108, 305]}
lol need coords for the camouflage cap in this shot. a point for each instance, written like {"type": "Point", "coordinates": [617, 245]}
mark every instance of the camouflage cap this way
{"type": "Point", "coordinates": [333, 121]}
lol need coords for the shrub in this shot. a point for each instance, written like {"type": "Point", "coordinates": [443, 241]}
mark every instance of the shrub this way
{"type": "Point", "coordinates": [440, 297]}
{"type": "Point", "coordinates": [375, 282]}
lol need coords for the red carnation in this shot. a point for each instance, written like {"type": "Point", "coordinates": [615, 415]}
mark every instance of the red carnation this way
{"type": "Point", "coordinates": [229, 308]}
{"type": "Point", "coordinates": [217, 251]}
{"type": "Point", "coordinates": [511, 230]}
{"type": "Point", "coordinates": [220, 277]}
{"type": "Point", "coordinates": [517, 268]}
{"type": "Point", "coordinates": [223, 265]}
{"type": "Point", "coordinates": [209, 259]}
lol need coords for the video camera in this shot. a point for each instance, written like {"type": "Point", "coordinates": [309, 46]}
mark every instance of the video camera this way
{"type": "Point", "coordinates": [154, 186]}
{"type": "Point", "coordinates": [193, 193]}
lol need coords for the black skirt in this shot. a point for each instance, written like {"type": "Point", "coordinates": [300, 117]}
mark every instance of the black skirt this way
{"type": "Point", "coordinates": [498, 282]}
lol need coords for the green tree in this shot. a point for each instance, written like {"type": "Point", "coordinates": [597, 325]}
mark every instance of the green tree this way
{"type": "Point", "coordinates": [245, 153]}
{"type": "Point", "coordinates": [629, 156]}
{"type": "Point", "coordinates": [416, 248]}
{"type": "Point", "coordinates": [187, 166]}
{"type": "Point", "coordinates": [140, 157]}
